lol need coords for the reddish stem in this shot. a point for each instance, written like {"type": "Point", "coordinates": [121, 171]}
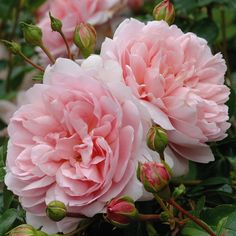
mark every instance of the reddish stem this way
{"type": "Point", "coordinates": [193, 218]}
{"type": "Point", "coordinates": [144, 217]}
{"type": "Point", "coordinates": [75, 215]}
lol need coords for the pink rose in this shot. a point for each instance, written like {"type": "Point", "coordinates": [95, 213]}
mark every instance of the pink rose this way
{"type": "Point", "coordinates": [179, 81]}
{"type": "Point", "coordinates": [71, 13]}
{"type": "Point", "coordinates": [78, 140]}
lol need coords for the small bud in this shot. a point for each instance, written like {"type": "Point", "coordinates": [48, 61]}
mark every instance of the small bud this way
{"type": "Point", "coordinates": [154, 176]}
{"type": "Point", "coordinates": [85, 38]}
{"type": "Point", "coordinates": [56, 210]}
{"type": "Point", "coordinates": [165, 216]}
{"type": "Point", "coordinates": [121, 211]}
{"type": "Point", "coordinates": [12, 46]}
{"type": "Point", "coordinates": [157, 139]}
{"type": "Point", "coordinates": [32, 34]}
{"type": "Point", "coordinates": [23, 230]}
{"type": "Point", "coordinates": [178, 191]}
{"type": "Point", "coordinates": [164, 11]}
{"type": "Point", "coordinates": [56, 24]}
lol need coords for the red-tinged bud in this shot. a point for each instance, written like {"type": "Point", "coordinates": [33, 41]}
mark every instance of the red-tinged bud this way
{"type": "Point", "coordinates": [23, 230]}
{"type": "Point", "coordinates": [164, 11]}
{"type": "Point", "coordinates": [157, 139]}
{"type": "Point", "coordinates": [56, 210]}
{"type": "Point", "coordinates": [32, 34]}
{"type": "Point", "coordinates": [85, 38]}
{"type": "Point", "coordinates": [154, 176]}
{"type": "Point", "coordinates": [121, 211]}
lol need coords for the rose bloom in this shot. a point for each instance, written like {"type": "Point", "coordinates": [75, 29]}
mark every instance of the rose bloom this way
{"type": "Point", "coordinates": [179, 81]}
{"type": "Point", "coordinates": [77, 140]}
{"type": "Point", "coordinates": [71, 13]}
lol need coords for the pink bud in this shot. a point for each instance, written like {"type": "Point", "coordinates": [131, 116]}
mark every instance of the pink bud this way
{"type": "Point", "coordinates": [164, 11]}
{"type": "Point", "coordinates": [85, 38]}
{"type": "Point", "coordinates": [154, 176]}
{"type": "Point", "coordinates": [121, 211]}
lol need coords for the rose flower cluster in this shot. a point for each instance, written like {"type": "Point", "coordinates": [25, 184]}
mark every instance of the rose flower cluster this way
{"type": "Point", "coordinates": [81, 134]}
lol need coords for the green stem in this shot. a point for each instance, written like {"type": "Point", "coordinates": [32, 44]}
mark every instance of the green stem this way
{"type": "Point", "coordinates": [49, 55]}
{"type": "Point", "coordinates": [162, 156]}
{"type": "Point", "coordinates": [193, 218]}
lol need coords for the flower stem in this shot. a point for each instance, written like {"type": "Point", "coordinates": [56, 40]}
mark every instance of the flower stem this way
{"type": "Point", "coordinates": [67, 46]}
{"type": "Point", "coordinates": [75, 215]}
{"type": "Point", "coordinates": [31, 62]}
{"type": "Point", "coordinates": [162, 204]}
{"type": "Point", "coordinates": [144, 217]}
{"type": "Point", "coordinates": [193, 218]}
{"type": "Point", "coordinates": [46, 51]}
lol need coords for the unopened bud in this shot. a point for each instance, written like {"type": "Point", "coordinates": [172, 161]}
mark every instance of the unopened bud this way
{"type": "Point", "coordinates": [121, 211]}
{"type": "Point", "coordinates": [157, 139]}
{"type": "Point", "coordinates": [32, 34]}
{"type": "Point", "coordinates": [85, 38]}
{"type": "Point", "coordinates": [164, 11]}
{"type": "Point", "coordinates": [154, 176]}
{"type": "Point", "coordinates": [178, 191]}
{"type": "Point", "coordinates": [56, 24]}
{"type": "Point", "coordinates": [12, 46]}
{"type": "Point", "coordinates": [23, 230]}
{"type": "Point", "coordinates": [165, 216]}
{"type": "Point", "coordinates": [56, 210]}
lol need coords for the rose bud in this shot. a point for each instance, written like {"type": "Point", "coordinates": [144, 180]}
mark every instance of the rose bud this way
{"type": "Point", "coordinates": [121, 211]}
{"type": "Point", "coordinates": [56, 210]}
{"type": "Point", "coordinates": [157, 139]}
{"type": "Point", "coordinates": [23, 230]}
{"type": "Point", "coordinates": [56, 24]}
{"type": "Point", "coordinates": [12, 46]}
{"type": "Point", "coordinates": [164, 11]}
{"type": "Point", "coordinates": [154, 176]}
{"type": "Point", "coordinates": [85, 38]}
{"type": "Point", "coordinates": [32, 34]}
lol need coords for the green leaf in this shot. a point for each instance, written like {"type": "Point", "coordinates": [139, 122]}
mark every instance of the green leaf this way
{"type": "Point", "coordinates": [8, 198]}
{"type": "Point", "coordinates": [7, 220]}
{"type": "Point", "coordinates": [227, 226]}
{"type": "Point", "coordinates": [2, 174]}
{"type": "Point", "coordinates": [199, 206]}
{"type": "Point", "coordinates": [213, 216]}
{"type": "Point", "coordinates": [190, 231]}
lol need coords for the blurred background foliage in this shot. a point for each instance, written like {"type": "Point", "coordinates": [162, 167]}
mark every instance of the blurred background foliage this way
{"type": "Point", "coordinates": [210, 188]}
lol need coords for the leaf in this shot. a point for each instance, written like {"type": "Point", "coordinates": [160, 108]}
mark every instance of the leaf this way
{"type": "Point", "coordinates": [207, 29]}
{"type": "Point", "coordinates": [8, 197]}
{"type": "Point", "coordinates": [7, 220]}
{"type": "Point", "coordinates": [227, 226]}
{"type": "Point", "coordinates": [199, 206]}
{"type": "Point", "coordinates": [213, 216]}
{"type": "Point", "coordinates": [190, 231]}
{"type": "Point", "coordinates": [2, 174]}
